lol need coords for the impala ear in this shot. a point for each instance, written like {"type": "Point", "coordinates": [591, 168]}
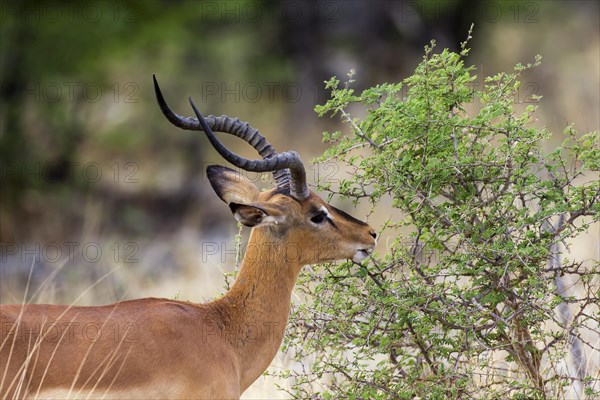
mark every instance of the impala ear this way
{"type": "Point", "coordinates": [230, 186]}
{"type": "Point", "coordinates": [241, 194]}
{"type": "Point", "coordinates": [254, 215]}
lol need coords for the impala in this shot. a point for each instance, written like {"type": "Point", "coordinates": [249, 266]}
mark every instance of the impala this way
{"type": "Point", "coordinates": [161, 348]}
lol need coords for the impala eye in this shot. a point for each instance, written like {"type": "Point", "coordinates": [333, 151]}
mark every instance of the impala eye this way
{"type": "Point", "coordinates": [319, 217]}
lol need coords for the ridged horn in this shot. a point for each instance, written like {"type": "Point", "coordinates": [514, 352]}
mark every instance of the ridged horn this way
{"type": "Point", "coordinates": [288, 170]}
{"type": "Point", "coordinates": [289, 159]}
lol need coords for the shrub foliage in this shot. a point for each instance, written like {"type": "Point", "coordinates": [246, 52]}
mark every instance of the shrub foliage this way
{"type": "Point", "coordinates": [476, 297]}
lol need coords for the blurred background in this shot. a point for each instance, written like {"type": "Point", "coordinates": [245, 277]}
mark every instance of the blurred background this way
{"type": "Point", "coordinates": [101, 199]}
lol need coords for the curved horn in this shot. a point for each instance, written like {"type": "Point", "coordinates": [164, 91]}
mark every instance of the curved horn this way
{"type": "Point", "coordinates": [232, 126]}
{"type": "Point", "coordinates": [226, 124]}
{"type": "Point", "coordinates": [289, 159]}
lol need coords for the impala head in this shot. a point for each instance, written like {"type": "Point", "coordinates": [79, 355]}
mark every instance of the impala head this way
{"type": "Point", "coordinates": [289, 214]}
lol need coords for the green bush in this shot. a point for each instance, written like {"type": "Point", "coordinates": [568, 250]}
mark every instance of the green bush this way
{"type": "Point", "coordinates": [471, 303]}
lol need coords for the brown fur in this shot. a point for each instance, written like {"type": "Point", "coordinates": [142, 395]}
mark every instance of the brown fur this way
{"type": "Point", "coordinates": [159, 348]}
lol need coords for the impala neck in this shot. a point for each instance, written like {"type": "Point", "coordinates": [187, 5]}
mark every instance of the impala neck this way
{"type": "Point", "coordinates": [258, 304]}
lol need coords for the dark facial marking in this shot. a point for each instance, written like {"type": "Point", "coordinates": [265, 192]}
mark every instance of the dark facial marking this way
{"type": "Point", "coordinates": [318, 210]}
{"type": "Point", "coordinates": [348, 216]}
{"type": "Point", "coordinates": [332, 223]}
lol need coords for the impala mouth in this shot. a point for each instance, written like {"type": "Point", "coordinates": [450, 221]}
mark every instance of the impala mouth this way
{"type": "Point", "coordinates": [360, 255]}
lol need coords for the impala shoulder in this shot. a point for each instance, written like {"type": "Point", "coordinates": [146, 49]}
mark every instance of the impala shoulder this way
{"type": "Point", "coordinates": [160, 307]}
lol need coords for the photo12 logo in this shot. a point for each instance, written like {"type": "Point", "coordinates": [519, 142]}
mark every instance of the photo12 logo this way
{"type": "Point", "coordinates": [251, 92]}
{"type": "Point", "coordinates": [73, 91]}
{"type": "Point", "coordinates": [270, 11]}
{"type": "Point", "coordinates": [325, 172]}
{"type": "Point", "coordinates": [70, 332]}
{"type": "Point", "coordinates": [431, 11]}
{"type": "Point", "coordinates": [58, 252]}
{"type": "Point", "coordinates": [66, 12]}
{"type": "Point", "coordinates": [71, 172]}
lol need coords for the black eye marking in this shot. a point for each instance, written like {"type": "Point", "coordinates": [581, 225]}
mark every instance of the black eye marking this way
{"type": "Point", "coordinates": [332, 224]}
{"type": "Point", "coordinates": [319, 217]}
